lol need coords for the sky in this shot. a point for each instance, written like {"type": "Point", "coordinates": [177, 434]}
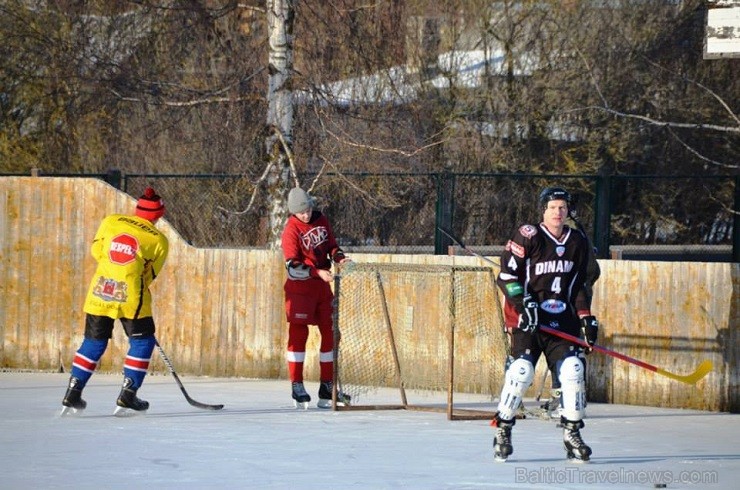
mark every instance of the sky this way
{"type": "Point", "coordinates": [259, 440]}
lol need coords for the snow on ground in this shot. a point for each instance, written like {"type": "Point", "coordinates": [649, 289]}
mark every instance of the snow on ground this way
{"type": "Point", "coordinates": [260, 441]}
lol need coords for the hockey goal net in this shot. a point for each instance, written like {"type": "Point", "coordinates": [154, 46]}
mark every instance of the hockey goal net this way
{"type": "Point", "coordinates": [419, 337]}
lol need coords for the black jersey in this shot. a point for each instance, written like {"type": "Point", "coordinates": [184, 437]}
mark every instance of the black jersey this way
{"type": "Point", "coordinates": [551, 270]}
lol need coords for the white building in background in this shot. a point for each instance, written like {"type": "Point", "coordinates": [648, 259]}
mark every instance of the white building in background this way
{"type": "Point", "coordinates": [722, 38]}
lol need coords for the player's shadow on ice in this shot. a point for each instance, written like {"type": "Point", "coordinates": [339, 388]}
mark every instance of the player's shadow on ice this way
{"type": "Point", "coordinates": [636, 459]}
{"type": "Point", "coordinates": [605, 460]}
{"type": "Point", "coordinates": [194, 412]}
{"type": "Point", "coordinates": [671, 457]}
{"type": "Point", "coordinates": [641, 415]}
{"type": "Point", "coordinates": [231, 412]}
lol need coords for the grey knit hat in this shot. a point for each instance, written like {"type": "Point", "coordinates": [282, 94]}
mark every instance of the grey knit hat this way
{"type": "Point", "coordinates": [299, 200]}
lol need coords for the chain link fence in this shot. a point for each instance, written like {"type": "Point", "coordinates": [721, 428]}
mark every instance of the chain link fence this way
{"type": "Point", "coordinates": [660, 217]}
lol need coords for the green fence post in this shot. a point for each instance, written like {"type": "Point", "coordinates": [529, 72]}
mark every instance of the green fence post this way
{"type": "Point", "coordinates": [444, 211]}
{"type": "Point", "coordinates": [113, 177]}
{"type": "Point", "coordinates": [736, 223]}
{"type": "Point", "coordinates": [602, 218]}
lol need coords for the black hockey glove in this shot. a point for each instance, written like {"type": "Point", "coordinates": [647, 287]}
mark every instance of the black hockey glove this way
{"type": "Point", "coordinates": [528, 317]}
{"type": "Point", "coordinates": [590, 329]}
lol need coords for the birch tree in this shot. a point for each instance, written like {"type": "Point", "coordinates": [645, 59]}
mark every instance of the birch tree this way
{"type": "Point", "coordinates": [279, 142]}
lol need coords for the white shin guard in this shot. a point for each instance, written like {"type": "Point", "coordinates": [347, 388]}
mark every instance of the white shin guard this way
{"type": "Point", "coordinates": [573, 388]}
{"type": "Point", "coordinates": [518, 378]}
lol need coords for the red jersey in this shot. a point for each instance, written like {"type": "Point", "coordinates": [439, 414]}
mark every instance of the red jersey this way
{"type": "Point", "coordinates": [551, 270]}
{"type": "Point", "coordinates": [311, 244]}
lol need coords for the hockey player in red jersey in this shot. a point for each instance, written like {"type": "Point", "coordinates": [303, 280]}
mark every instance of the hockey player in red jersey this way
{"type": "Point", "coordinates": [130, 252]}
{"type": "Point", "coordinates": [309, 248]}
{"type": "Point", "coordinates": [543, 276]}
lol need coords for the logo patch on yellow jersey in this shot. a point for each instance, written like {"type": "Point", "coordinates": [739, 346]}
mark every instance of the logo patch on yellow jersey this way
{"type": "Point", "coordinates": [123, 249]}
{"type": "Point", "coordinates": [111, 290]}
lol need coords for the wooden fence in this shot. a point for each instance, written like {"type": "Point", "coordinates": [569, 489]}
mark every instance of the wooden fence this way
{"type": "Point", "coordinates": [219, 312]}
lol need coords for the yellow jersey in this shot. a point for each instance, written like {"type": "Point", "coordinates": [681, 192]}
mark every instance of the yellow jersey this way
{"type": "Point", "coordinates": [130, 252]}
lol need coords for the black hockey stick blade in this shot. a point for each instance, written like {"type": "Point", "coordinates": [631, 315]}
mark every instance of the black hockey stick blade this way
{"type": "Point", "coordinates": [195, 403]}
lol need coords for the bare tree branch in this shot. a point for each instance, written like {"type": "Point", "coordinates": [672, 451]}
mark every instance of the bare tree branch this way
{"type": "Point", "coordinates": [318, 176]}
{"type": "Point", "coordinates": [254, 192]}
{"type": "Point", "coordinates": [289, 154]}
{"type": "Point", "coordinates": [254, 8]}
{"type": "Point", "coordinates": [591, 75]}
{"type": "Point", "coordinates": [706, 89]}
{"type": "Point", "coordinates": [664, 124]}
{"type": "Point", "coordinates": [346, 139]}
{"type": "Point", "coordinates": [195, 102]}
{"type": "Point", "coordinates": [189, 103]}
{"type": "Point", "coordinates": [265, 173]}
{"type": "Point", "coordinates": [700, 156]}
{"type": "Point", "coordinates": [366, 196]}
{"type": "Point", "coordinates": [669, 124]}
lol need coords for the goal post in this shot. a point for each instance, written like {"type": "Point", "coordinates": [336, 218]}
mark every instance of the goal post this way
{"type": "Point", "coordinates": [419, 337]}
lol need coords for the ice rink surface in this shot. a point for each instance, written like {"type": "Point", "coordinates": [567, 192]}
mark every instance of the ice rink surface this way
{"type": "Point", "coordinates": [260, 441]}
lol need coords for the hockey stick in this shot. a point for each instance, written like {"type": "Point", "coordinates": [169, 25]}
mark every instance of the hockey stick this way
{"type": "Point", "coordinates": [194, 403]}
{"type": "Point", "coordinates": [462, 246]}
{"type": "Point", "coordinates": [701, 371]}
{"type": "Point", "coordinates": [704, 368]}
{"type": "Point", "coordinates": [542, 385]}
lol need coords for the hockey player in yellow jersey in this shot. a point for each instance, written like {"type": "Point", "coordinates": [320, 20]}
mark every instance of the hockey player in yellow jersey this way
{"type": "Point", "coordinates": [130, 252]}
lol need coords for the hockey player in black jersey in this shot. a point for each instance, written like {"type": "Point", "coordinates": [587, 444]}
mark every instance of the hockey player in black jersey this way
{"type": "Point", "coordinates": [543, 275]}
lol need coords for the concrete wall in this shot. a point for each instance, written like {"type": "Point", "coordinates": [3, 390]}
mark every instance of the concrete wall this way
{"type": "Point", "coordinates": [219, 312]}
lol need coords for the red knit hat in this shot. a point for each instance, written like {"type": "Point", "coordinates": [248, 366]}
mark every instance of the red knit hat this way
{"type": "Point", "coordinates": [150, 206]}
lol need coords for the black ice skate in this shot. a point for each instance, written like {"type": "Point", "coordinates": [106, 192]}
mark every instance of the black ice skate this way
{"type": "Point", "coordinates": [502, 447]}
{"type": "Point", "coordinates": [300, 395]}
{"type": "Point", "coordinates": [325, 391]}
{"type": "Point", "coordinates": [128, 403]}
{"type": "Point", "coordinates": [72, 403]}
{"type": "Point", "coordinates": [575, 448]}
